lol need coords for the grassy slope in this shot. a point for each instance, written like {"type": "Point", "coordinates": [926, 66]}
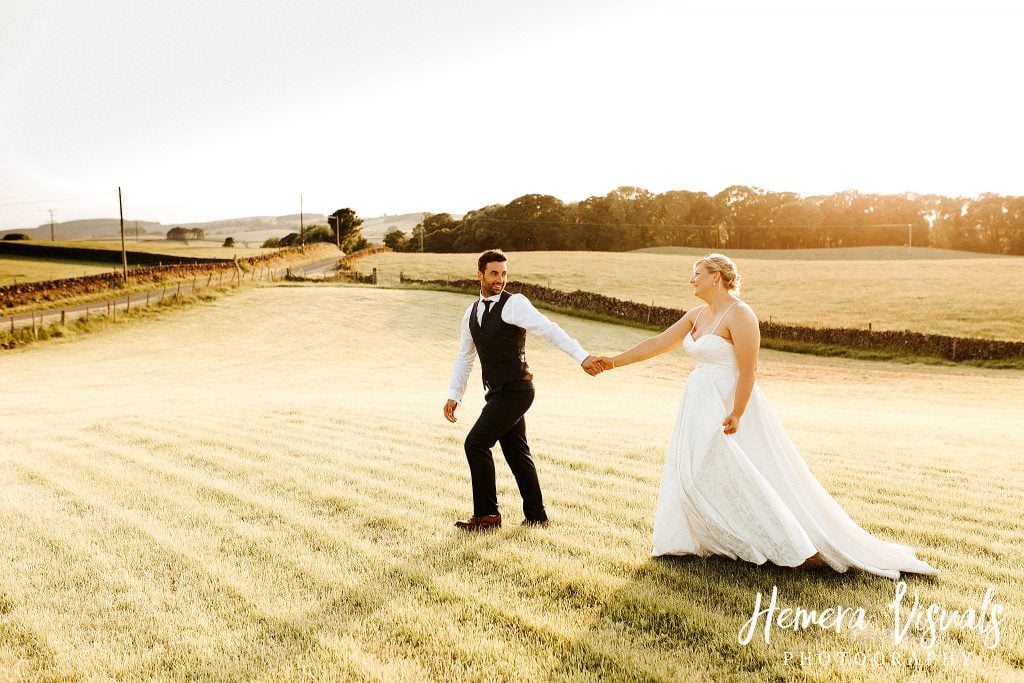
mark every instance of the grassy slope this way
{"type": "Point", "coordinates": [841, 254]}
{"type": "Point", "coordinates": [28, 269]}
{"type": "Point", "coordinates": [267, 503]}
{"type": "Point", "coordinates": [15, 269]}
{"type": "Point", "coordinates": [196, 248]}
{"type": "Point", "coordinates": [975, 297]}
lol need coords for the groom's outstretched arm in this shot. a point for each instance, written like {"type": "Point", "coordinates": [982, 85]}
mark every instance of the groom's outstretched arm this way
{"type": "Point", "coordinates": [519, 311]}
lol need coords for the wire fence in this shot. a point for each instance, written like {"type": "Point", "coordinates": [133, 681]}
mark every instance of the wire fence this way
{"type": "Point", "coordinates": [39, 320]}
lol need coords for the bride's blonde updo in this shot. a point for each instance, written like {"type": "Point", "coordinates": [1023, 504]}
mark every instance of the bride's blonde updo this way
{"type": "Point", "coordinates": [723, 265]}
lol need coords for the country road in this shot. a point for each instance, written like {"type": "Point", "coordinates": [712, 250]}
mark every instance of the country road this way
{"type": "Point", "coordinates": [66, 313]}
{"type": "Point", "coordinates": [317, 268]}
{"type": "Point", "coordinates": [114, 305]}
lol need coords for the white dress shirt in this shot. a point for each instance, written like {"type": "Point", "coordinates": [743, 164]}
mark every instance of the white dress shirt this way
{"type": "Point", "coordinates": [517, 311]}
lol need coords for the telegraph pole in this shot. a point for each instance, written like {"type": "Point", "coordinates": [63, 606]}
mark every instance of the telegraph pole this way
{"type": "Point", "coordinates": [124, 253]}
{"type": "Point", "coordinates": [302, 226]}
{"type": "Point", "coordinates": [51, 224]}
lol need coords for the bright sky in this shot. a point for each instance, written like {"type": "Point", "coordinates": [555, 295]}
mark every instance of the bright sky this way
{"type": "Point", "coordinates": [205, 110]}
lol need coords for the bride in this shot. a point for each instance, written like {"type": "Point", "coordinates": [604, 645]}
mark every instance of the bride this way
{"type": "Point", "coordinates": [734, 483]}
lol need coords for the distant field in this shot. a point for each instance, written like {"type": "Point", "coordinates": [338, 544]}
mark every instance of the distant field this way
{"type": "Point", "coordinates": [263, 488]}
{"type": "Point", "coordinates": [963, 295]}
{"type": "Point", "coordinates": [197, 248]}
{"type": "Point", "coordinates": [844, 254]}
{"type": "Point", "coordinates": [15, 269]}
{"type": "Point", "coordinates": [25, 269]}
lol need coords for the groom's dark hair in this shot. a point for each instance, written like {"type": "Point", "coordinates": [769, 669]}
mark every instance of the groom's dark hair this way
{"type": "Point", "coordinates": [490, 256]}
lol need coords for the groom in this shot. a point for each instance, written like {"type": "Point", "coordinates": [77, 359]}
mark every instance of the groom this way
{"type": "Point", "coordinates": [495, 326]}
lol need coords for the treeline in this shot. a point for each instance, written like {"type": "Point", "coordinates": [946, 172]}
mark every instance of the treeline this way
{"type": "Point", "coordinates": [738, 217]}
{"type": "Point", "coordinates": [343, 229]}
{"type": "Point", "coordinates": [186, 234]}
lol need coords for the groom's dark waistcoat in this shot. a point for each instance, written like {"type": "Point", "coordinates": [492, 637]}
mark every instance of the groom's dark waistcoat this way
{"type": "Point", "coordinates": [502, 347]}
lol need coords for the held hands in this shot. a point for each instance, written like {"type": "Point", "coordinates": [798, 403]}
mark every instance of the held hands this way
{"type": "Point", "coordinates": [595, 365]}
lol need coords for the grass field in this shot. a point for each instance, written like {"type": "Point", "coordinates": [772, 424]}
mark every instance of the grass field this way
{"type": "Point", "coordinates": [15, 269]}
{"type": "Point", "coordinates": [196, 248]}
{"type": "Point", "coordinates": [962, 294]}
{"type": "Point", "coordinates": [839, 254]}
{"type": "Point", "coordinates": [263, 487]}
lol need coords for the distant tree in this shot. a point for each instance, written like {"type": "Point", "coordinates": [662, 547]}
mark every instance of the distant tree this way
{"type": "Point", "coordinates": [314, 233]}
{"type": "Point", "coordinates": [271, 243]}
{"type": "Point", "coordinates": [534, 221]}
{"type": "Point", "coordinates": [395, 239]}
{"type": "Point", "coordinates": [436, 232]}
{"type": "Point", "coordinates": [185, 234]}
{"type": "Point", "coordinates": [12, 236]}
{"type": "Point", "coordinates": [229, 242]}
{"type": "Point", "coordinates": [346, 231]}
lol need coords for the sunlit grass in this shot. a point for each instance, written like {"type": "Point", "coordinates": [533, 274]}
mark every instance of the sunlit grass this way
{"type": "Point", "coordinates": [196, 248]}
{"type": "Point", "coordinates": [263, 488]}
{"type": "Point", "coordinates": [880, 287]}
{"type": "Point", "coordinates": [15, 269]}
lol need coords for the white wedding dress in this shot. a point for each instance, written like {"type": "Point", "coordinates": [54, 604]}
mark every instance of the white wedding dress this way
{"type": "Point", "coordinates": [750, 495]}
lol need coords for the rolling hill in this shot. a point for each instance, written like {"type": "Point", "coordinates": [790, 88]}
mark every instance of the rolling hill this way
{"type": "Point", "coordinates": [251, 228]}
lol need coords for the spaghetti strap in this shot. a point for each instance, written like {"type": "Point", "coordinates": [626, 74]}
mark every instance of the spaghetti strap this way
{"type": "Point", "coordinates": [697, 319]}
{"type": "Point", "coordinates": [721, 318]}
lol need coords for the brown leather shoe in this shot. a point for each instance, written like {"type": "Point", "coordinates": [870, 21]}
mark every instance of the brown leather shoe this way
{"type": "Point", "coordinates": [479, 523]}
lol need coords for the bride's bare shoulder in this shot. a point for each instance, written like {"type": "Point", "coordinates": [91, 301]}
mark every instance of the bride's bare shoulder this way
{"type": "Point", "coordinates": [742, 311]}
{"type": "Point", "coordinates": [694, 312]}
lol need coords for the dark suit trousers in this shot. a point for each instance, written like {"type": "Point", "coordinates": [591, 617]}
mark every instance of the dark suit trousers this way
{"type": "Point", "coordinates": [502, 421]}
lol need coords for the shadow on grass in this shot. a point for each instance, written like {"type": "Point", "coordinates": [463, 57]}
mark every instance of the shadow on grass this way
{"type": "Point", "coordinates": [682, 616]}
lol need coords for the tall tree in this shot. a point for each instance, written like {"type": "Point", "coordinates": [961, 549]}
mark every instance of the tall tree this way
{"type": "Point", "coordinates": [348, 235]}
{"type": "Point", "coordinates": [395, 239]}
{"type": "Point", "coordinates": [436, 232]}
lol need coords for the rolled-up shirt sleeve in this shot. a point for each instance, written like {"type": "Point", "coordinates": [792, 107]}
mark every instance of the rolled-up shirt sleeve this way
{"type": "Point", "coordinates": [521, 312]}
{"type": "Point", "coordinates": [463, 361]}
